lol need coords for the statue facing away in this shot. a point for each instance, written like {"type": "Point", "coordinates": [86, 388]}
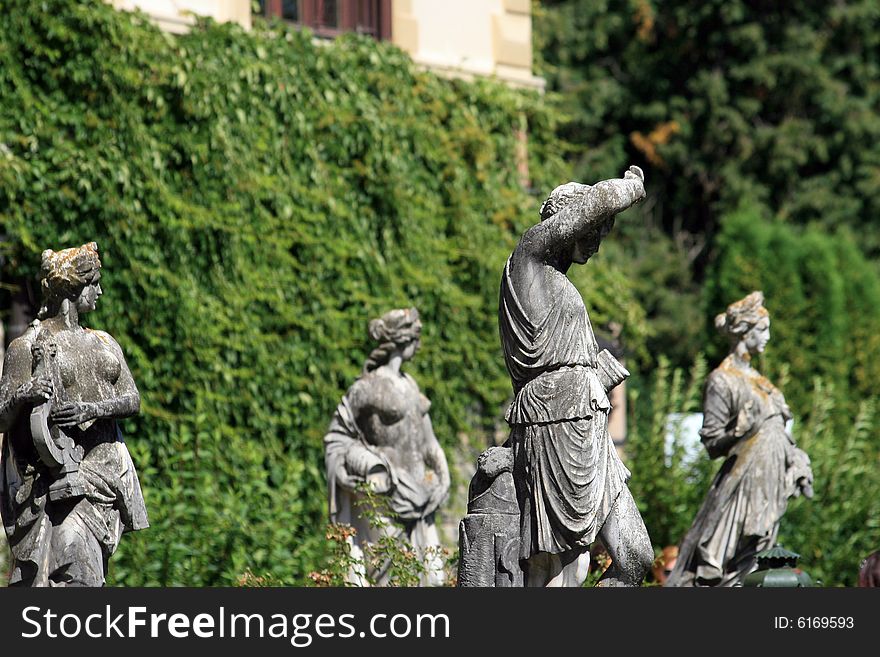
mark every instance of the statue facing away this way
{"type": "Point", "coordinates": [68, 487]}
{"type": "Point", "coordinates": [381, 436]}
{"type": "Point", "coordinates": [560, 463]}
{"type": "Point", "coordinates": [744, 422]}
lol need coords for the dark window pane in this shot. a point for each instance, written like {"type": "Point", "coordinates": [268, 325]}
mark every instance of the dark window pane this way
{"type": "Point", "coordinates": [370, 17]}
{"type": "Point", "coordinates": [365, 16]}
{"type": "Point", "coordinates": [262, 10]}
{"type": "Point", "coordinates": [328, 13]}
{"type": "Point", "coordinates": [290, 10]}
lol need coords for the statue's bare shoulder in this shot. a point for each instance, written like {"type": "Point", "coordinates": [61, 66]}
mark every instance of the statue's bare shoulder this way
{"type": "Point", "coordinates": [370, 393]}
{"type": "Point", "coordinates": [19, 359]}
{"type": "Point", "coordinates": [534, 281]}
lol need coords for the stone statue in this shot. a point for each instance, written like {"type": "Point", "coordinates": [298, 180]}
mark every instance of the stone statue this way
{"type": "Point", "coordinates": [488, 536]}
{"type": "Point", "coordinates": [744, 422]}
{"type": "Point", "coordinates": [381, 436]}
{"type": "Point", "coordinates": [68, 488]}
{"type": "Point", "coordinates": [569, 482]}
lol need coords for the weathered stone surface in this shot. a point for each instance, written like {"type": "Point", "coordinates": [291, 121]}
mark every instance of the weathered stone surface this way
{"type": "Point", "coordinates": [744, 422]}
{"type": "Point", "coordinates": [570, 485]}
{"type": "Point", "coordinates": [381, 436]}
{"type": "Point", "coordinates": [68, 488]}
{"type": "Point", "coordinates": [489, 534]}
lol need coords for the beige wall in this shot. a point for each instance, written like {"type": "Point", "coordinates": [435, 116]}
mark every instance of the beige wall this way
{"type": "Point", "coordinates": [468, 37]}
{"type": "Point", "coordinates": [453, 37]}
{"type": "Point", "coordinates": [176, 15]}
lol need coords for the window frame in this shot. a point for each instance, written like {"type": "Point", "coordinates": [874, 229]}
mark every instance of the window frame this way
{"type": "Point", "coordinates": [348, 17]}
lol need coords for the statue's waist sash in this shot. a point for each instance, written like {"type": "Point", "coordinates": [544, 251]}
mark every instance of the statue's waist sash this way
{"type": "Point", "coordinates": [567, 393]}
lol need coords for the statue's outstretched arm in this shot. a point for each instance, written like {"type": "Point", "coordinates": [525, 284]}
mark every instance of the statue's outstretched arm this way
{"type": "Point", "coordinates": [599, 203]}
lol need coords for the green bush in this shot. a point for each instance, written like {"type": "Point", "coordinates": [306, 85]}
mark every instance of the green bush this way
{"type": "Point", "coordinates": [667, 491]}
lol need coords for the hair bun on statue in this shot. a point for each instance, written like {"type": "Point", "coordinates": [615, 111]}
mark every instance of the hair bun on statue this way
{"type": "Point", "coordinates": [395, 328]}
{"type": "Point", "coordinates": [63, 274]}
{"type": "Point", "coordinates": [561, 197]}
{"type": "Point", "coordinates": [376, 329]}
{"type": "Point", "coordinates": [742, 315]}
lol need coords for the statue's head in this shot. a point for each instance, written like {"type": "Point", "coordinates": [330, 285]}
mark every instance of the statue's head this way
{"type": "Point", "coordinates": [569, 194]}
{"type": "Point", "coordinates": [748, 321]}
{"type": "Point", "coordinates": [401, 327]}
{"type": "Point", "coordinates": [562, 197]}
{"type": "Point", "coordinates": [869, 571]}
{"type": "Point", "coordinates": [71, 275]}
{"type": "Point", "coordinates": [398, 329]}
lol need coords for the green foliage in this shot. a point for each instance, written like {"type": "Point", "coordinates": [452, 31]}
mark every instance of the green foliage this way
{"type": "Point", "coordinates": [724, 99]}
{"type": "Point", "coordinates": [249, 580]}
{"type": "Point", "coordinates": [257, 198]}
{"type": "Point", "coordinates": [661, 287]}
{"type": "Point", "coordinates": [668, 491]}
{"type": "Point", "coordinates": [840, 526]}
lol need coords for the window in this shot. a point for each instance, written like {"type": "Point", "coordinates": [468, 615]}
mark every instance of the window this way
{"type": "Point", "coordinates": [328, 18]}
{"type": "Point", "coordinates": [290, 10]}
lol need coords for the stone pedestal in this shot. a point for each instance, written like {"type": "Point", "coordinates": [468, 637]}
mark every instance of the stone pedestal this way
{"type": "Point", "coordinates": [488, 536]}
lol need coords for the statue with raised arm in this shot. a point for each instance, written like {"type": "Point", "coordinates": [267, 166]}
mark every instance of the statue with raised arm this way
{"type": "Point", "coordinates": [381, 436]}
{"type": "Point", "coordinates": [744, 422]}
{"type": "Point", "coordinates": [68, 488]}
{"type": "Point", "coordinates": [569, 483]}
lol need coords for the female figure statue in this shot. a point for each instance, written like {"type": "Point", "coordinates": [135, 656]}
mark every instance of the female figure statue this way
{"type": "Point", "coordinates": [570, 483]}
{"type": "Point", "coordinates": [68, 488]}
{"type": "Point", "coordinates": [744, 418]}
{"type": "Point", "coordinates": [381, 436]}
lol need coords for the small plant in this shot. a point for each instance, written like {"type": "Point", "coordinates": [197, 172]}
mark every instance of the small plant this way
{"type": "Point", "coordinates": [599, 562]}
{"type": "Point", "coordinates": [249, 580]}
{"type": "Point", "coordinates": [389, 560]}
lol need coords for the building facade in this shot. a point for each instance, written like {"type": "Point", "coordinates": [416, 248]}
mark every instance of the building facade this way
{"type": "Point", "coordinates": [460, 38]}
{"type": "Point", "coordinates": [178, 15]}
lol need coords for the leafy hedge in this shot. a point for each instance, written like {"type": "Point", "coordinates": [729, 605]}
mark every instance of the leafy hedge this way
{"type": "Point", "coordinates": [257, 198]}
